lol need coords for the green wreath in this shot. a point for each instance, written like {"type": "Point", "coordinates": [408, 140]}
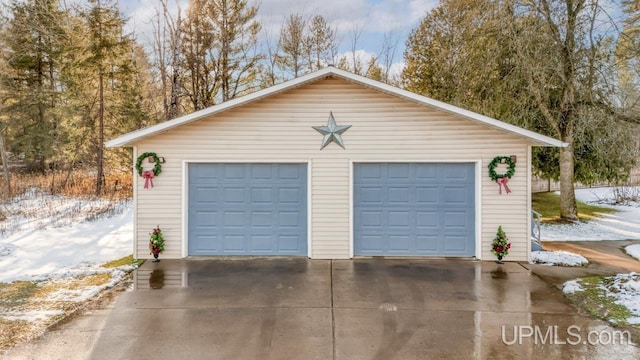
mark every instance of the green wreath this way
{"type": "Point", "coordinates": [157, 168]}
{"type": "Point", "coordinates": [501, 159]}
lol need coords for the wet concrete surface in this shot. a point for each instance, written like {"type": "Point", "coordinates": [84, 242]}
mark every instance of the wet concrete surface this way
{"type": "Point", "coordinates": [342, 309]}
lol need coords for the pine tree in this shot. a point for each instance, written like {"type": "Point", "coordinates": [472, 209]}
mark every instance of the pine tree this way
{"type": "Point", "coordinates": [114, 100]}
{"type": "Point", "coordinates": [35, 41]}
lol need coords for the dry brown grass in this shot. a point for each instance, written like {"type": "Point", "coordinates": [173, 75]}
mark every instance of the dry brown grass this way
{"type": "Point", "coordinates": [58, 199]}
{"type": "Point", "coordinates": [78, 183]}
{"type": "Point", "coordinates": [22, 301]}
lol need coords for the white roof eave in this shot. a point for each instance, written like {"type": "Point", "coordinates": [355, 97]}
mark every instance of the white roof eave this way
{"type": "Point", "coordinates": [130, 138]}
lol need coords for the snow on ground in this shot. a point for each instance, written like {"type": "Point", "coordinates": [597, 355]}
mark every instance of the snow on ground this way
{"type": "Point", "coordinates": [623, 288]}
{"type": "Point", "coordinates": [571, 286]}
{"type": "Point", "coordinates": [563, 258]}
{"type": "Point", "coordinates": [622, 225]}
{"type": "Point", "coordinates": [57, 238]}
{"type": "Point", "coordinates": [55, 252]}
{"type": "Point", "coordinates": [633, 250]}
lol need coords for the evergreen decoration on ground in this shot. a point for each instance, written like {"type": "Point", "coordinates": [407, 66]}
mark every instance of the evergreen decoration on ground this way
{"type": "Point", "coordinates": [156, 241]}
{"type": "Point", "coordinates": [500, 245]}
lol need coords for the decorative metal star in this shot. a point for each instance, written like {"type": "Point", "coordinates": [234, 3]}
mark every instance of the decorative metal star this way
{"type": "Point", "coordinates": [331, 132]}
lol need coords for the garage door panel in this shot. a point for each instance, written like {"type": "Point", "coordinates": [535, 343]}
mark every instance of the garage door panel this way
{"type": "Point", "coordinates": [427, 220]}
{"type": "Point", "coordinates": [371, 219]}
{"type": "Point", "coordinates": [289, 244]}
{"type": "Point", "coordinates": [289, 219]}
{"type": "Point", "coordinates": [454, 243]}
{"type": "Point", "coordinates": [426, 172]}
{"type": "Point", "coordinates": [455, 220]}
{"type": "Point", "coordinates": [233, 195]}
{"type": "Point", "coordinates": [371, 195]}
{"type": "Point", "coordinates": [427, 195]}
{"type": "Point", "coordinates": [253, 209]}
{"type": "Point", "coordinates": [207, 243]}
{"type": "Point", "coordinates": [371, 243]}
{"type": "Point", "coordinates": [372, 172]}
{"type": "Point", "coordinates": [426, 244]}
{"type": "Point", "coordinates": [398, 219]}
{"type": "Point", "coordinates": [290, 195]}
{"type": "Point", "coordinates": [262, 219]}
{"type": "Point", "coordinates": [457, 173]}
{"type": "Point", "coordinates": [399, 172]}
{"type": "Point", "coordinates": [233, 243]}
{"type": "Point", "coordinates": [399, 195]}
{"type": "Point", "coordinates": [400, 243]}
{"type": "Point", "coordinates": [455, 195]}
{"type": "Point", "coordinates": [411, 208]}
{"type": "Point", "coordinates": [262, 195]}
{"type": "Point", "coordinates": [233, 218]}
{"type": "Point", "coordinates": [261, 172]}
{"type": "Point", "coordinates": [261, 243]}
{"type": "Point", "coordinates": [233, 171]}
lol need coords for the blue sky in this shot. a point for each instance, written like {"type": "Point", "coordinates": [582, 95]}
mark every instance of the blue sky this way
{"type": "Point", "coordinates": [373, 19]}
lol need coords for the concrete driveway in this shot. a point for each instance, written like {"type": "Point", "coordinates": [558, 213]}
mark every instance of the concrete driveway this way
{"type": "Point", "coordinates": [286, 308]}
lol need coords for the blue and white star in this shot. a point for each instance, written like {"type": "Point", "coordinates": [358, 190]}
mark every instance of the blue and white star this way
{"type": "Point", "coordinates": [331, 132]}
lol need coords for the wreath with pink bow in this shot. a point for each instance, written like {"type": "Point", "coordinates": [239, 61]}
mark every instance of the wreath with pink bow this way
{"type": "Point", "coordinates": [502, 179]}
{"type": "Point", "coordinates": [148, 175]}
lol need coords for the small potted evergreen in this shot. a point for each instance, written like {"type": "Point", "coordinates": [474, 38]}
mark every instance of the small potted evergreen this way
{"type": "Point", "coordinates": [500, 245]}
{"type": "Point", "coordinates": [156, 243]}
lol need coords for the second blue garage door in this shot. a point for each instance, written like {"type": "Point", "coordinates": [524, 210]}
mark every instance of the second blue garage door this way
{"type": "Point", "coordinates": [247, 209]}
{"type": "Point", "coordinates": [424, 209]}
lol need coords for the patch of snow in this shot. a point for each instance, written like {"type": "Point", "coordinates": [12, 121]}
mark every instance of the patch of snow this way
{"type": "Point", "coordinates": [633, 250]}
{"type": "Point", "coordinates": [625, 289]}
{"type": "Point", "coordinates": [6, 249]}
{"type": "Point", "coordinates": [571, 286]}
{"type": "Point", "coordinates": [37, 210]}
{"type": "Point", "coordinates": [55, 252]}
{"type": "Point", "coordinates": [70, 238]}
{"type": "Point", "coordinates": [563, 258]}
{"type": "Point", "coordinates": [87, 292]}
{"type": "Point", "coordinates": [622, 225]}
{"type": "Point", "coordinates": [33, 316]}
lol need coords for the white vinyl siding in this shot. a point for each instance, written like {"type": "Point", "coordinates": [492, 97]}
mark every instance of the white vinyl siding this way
{"type": "Point", "coordinates": [384, 129]}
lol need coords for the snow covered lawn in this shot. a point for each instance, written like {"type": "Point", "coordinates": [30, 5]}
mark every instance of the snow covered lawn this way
{"type": "Point", "coordinates": [562, 258]}
{"type": "Point", "coordinates": [622, 225]}
{"type": "Point", "coordinates": [616, 298]}
{"type": "Point", "coordinates": [633, 250]}
{"type": "Point", "coordinates": [53, 251]}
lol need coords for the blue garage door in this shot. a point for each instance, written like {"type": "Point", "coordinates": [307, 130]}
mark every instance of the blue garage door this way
{"type": "Point", "coordinates": [414, 209]}
{"type": "Point", "coordinates": [247, 209]}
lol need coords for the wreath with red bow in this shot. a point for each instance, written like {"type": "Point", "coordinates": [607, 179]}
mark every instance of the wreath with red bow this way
{"type": "Point", "coordinates": [502, 179]}
{"type": "Point", "coordinates": [148, 175]}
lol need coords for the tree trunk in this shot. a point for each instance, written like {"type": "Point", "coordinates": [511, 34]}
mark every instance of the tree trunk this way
{"type": "Point", "coordinates": [99, 174]}
{"type": "Point", "coordinates": [100, 109]}
{"type": "Point", "coordinates": [5, 165]}
{"type": "Point", "coordinates": [568, 207]}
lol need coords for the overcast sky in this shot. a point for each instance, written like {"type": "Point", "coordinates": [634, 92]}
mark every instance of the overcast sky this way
{"type": "Point", "coordinates": [373, 19]}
